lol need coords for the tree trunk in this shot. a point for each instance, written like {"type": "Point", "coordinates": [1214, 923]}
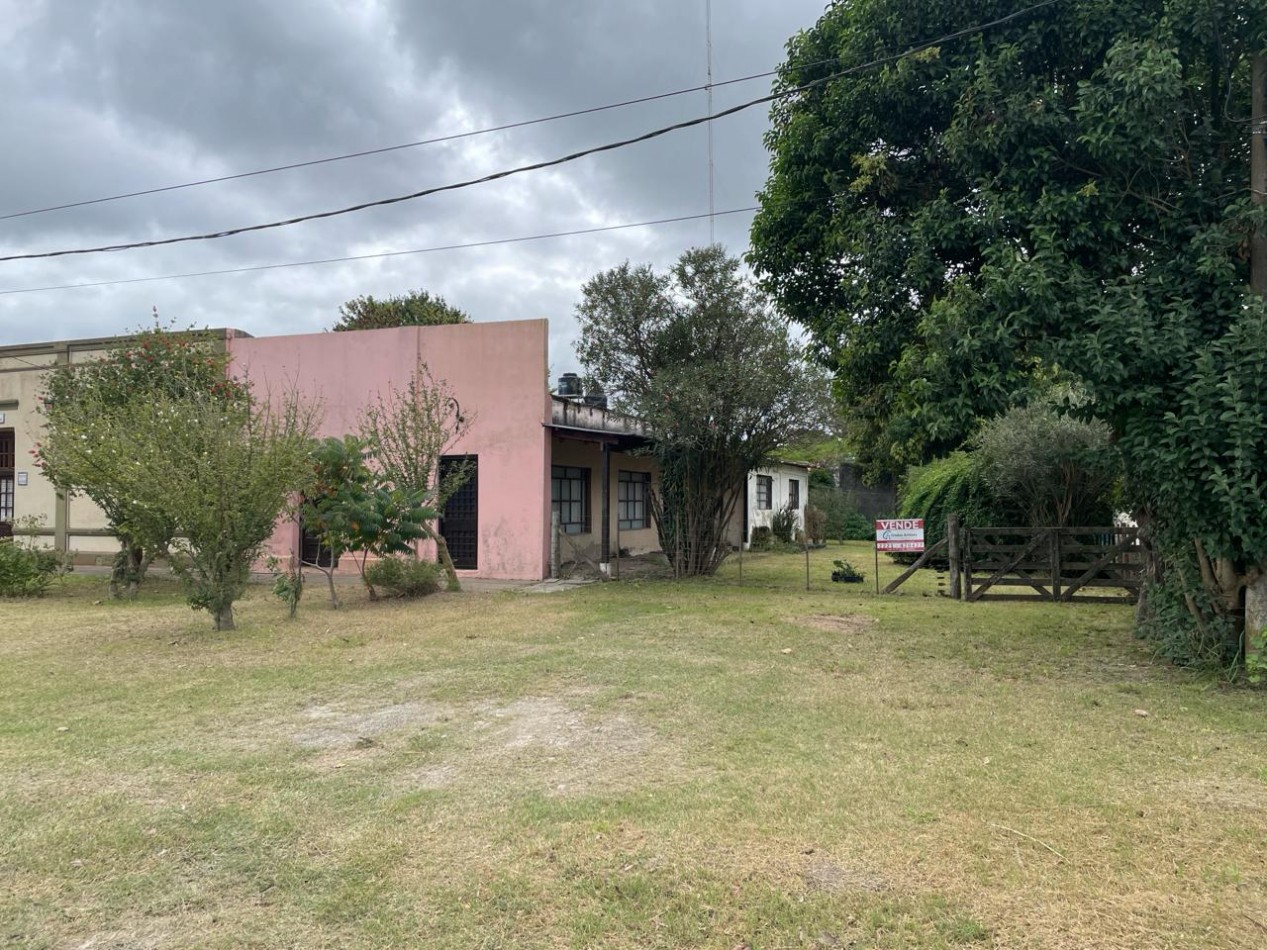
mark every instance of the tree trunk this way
{"type": "Point", "coordinates": [224, 618]}
{"type": "Point", "coordinates": [334, 597]}
{"type": "Point", "coordinates": [1256, 619]}
{"type": "Point", "coordinates": [140, 565]}
{"type": "Point", "coordinates": [128, 570]}
{"type": "Point", "coordinates": [442, 549]}
{"type": "Point", "coordinates": [365, 580]}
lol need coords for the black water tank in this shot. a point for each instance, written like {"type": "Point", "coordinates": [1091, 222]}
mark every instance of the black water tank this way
{"type": "Point", "coordinates": [569, 385]}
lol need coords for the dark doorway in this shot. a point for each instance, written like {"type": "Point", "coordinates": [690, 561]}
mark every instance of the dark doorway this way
{"type": "Point", "coordinates": [312, 551]}
{"type": "Point", "coordinates": [459, 521]}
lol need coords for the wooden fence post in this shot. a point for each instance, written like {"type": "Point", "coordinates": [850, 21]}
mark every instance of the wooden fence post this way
{"type": "Point", "coordinates": [965, 555]}
{"type": "Point", "coordinates": [1055, 564]}
{"type": "Point", "coordinates": [952, 536]}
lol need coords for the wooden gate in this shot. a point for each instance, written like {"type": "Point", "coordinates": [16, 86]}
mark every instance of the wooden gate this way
{"type": "Point", "coordinates": [1056, 564]}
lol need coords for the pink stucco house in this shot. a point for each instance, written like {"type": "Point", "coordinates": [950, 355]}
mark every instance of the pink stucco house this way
{"type": "Point", "coordinates": [532, 453]}
{"type": "Point", "coordinates": [535, 456]}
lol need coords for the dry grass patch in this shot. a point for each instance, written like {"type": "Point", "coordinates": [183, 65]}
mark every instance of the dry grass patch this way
{"type": "Point", "coordinates": [831, 623]}
{"type": "Point", "coordinates": [624, 765]}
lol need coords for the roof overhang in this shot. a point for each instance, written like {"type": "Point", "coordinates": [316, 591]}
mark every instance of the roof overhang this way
{"type": "Point", "coordinates": [622, 439]}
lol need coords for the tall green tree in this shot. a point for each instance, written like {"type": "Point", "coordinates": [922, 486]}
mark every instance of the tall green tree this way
{"type": "Point", "coordinates": [699, 354]}
{"type": "Point", "coordinates": [1066, 190]}
{"type": "Point", "coordinates": [418, 308]}
{"type": "Point", "coordinates": [222, 472]}
{"type": "Point", "coordinates": [88, 408]}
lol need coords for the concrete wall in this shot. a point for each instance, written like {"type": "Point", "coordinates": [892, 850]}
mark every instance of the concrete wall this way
{"type": "Point", "coordinates": [497, 372]}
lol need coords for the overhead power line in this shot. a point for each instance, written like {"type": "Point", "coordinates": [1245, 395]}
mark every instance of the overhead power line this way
{"type": "Point", "coordinates": [438, 140]}
{"type": "Point", "coordinates": [382, 254]}
{"type": "Point", "coordinates": [549, 163]}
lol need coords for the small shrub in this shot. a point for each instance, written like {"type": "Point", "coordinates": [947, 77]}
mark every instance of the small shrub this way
{"type": "Point", "coordinates": [288, 583]}
{"type": "Point", "coordinates": [762, 539]}
{"type": "Point", "coordinates": [846, 573]}
{"type": "Point", "coordinates": [816, 525]}
{"type": "Point", "coordinates": [857, 527]}
{"type": "Point", "coordinates": [404, 576]}
{"type": "Point", "coordinates": [783, 524]}
{"type": "Point", "coordinates": [28, 571]}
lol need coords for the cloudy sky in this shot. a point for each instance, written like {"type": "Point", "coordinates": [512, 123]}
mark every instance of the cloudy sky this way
{"type": "Point", "coordinates": [104, 97]}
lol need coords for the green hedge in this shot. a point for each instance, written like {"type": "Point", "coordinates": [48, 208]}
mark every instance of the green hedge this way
{"type": "Point", "coordinates": [28, 571]}
{"type": "Point", "coordinates": [954, 484]}
{"type": "Point", "coordinates": [404, 576]}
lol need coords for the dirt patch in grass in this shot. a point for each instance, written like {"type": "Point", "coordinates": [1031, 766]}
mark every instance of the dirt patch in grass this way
{"type": "Point", "coordinates": [331, 727]}
{"type": "Point", "coordinates": [552, 745]}
{"type": "Point", "coordinates": [546, 744]}
{"type": "Point", "coordinates": [829, 877]}
{"type": "Point", "coordinates": [120, 940]}
{"type": "Point", "coordinates": [833, 623]}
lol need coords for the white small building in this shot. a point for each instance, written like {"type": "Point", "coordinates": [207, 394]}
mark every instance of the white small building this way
{"type": "Point", "coordinates": [770, 489]}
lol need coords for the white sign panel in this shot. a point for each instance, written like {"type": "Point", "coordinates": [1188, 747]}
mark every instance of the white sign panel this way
{"type": "Point", "coordinates": [899, 534]}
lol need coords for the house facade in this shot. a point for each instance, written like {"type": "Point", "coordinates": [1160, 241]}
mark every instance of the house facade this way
{"type": "Point", "coordinates": [553, 478]}
{"type": "Point", "coordinates": [770, 489]}
{"type": "Point", "coordinates": [71, 523]}
{"type": "Point", "coordinates": [532, 456]}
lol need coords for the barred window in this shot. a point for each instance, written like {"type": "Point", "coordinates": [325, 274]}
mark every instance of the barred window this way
{"type": "Point", "coordinates": [632, 489]}
{"type": "Point", "coordinates": [7, 461]}
{"type": "Point", "coordinates": [570, 497]}
{"type": "Point", "coordinates": [765, 491]}
{"type": "Point", "coordinates": [793, 494]}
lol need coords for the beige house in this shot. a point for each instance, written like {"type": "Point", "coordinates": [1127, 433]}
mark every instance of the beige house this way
{"type": "Point", "coordinates": [67, 522]}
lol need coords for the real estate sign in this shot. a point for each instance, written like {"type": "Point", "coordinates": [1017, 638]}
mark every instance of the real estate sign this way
{"type": "Point", "coordinates": [899, 534]}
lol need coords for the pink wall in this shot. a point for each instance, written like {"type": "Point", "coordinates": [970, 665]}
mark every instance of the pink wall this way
{"type": "Point", "coordinates": [497, 371]}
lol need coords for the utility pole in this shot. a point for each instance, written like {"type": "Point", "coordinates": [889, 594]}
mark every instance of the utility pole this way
{"type": "Point", "coordinates": [708, 41]}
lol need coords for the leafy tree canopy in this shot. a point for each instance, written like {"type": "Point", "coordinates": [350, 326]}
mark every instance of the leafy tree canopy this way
{"type": "Point", "coordinates": [699, 354]}
{"type": "Point", "coordinates": [1067, 188]}
{"type": "Point", "coordinates": [1066, 191]}
{"type": "Point", "coordinates": [222, 471]}
{"type": "Point", "coordinates": [418, 308]}
{"type": "Point", "coordinates": [88, 409]}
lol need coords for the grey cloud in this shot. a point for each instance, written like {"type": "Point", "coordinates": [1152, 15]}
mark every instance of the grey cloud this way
{"type": "Point", "coordinates": [98, 98]}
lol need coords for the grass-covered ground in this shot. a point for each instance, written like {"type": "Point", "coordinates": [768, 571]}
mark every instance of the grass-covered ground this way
{"type": "Point", "coordinates": [628, 765]}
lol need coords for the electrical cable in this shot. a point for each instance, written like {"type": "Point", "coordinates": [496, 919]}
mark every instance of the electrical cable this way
{"type": "Point", "coordinates": [537, 166]}
{"type": "Point", "coordinates": [382, 254]}
{"type": "Point", "coordinates": [453, 137]}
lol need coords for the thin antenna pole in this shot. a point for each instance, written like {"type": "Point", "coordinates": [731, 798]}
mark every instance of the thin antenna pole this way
{"type": "Point", "coordinates": [708, 39]}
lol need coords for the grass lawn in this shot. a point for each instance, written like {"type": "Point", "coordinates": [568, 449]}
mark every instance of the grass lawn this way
{"type": "Point", "coordinates": [637, 764]}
